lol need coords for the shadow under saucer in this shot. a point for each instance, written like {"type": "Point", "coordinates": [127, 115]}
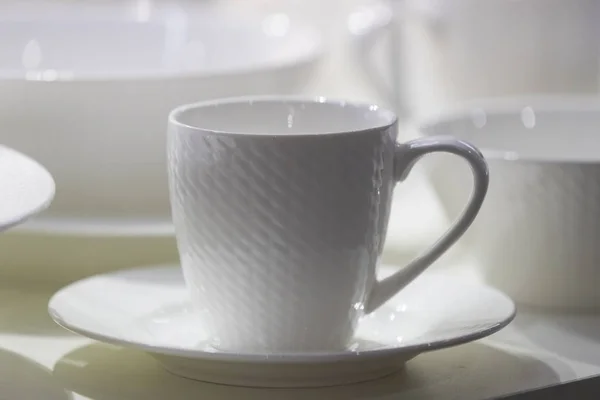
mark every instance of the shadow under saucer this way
{"type": "Point", "coordinates": [106, 372]}
{"type": "Point", "coordinates": [24, 379]}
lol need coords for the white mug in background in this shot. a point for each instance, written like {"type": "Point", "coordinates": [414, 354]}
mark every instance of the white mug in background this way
{"type": "Point", "coordinates": [281, 208]}
{"type": "Point", "coordinates": [448, 51]}
{"type": "Point", "coordinates": [537, 236]}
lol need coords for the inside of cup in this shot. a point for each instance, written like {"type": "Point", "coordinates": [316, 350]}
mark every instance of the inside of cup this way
{"type": "Point", "coordinates": [561, 132]}
{"type": "Point", "coordinates": [86, 48]}
{"type": "Point", "coordinates": [282, 116]}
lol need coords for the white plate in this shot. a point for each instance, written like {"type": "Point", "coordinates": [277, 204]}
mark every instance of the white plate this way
{"type": "Point", "coordinates": [148, 309]}
{"type": "Point", "coordinates": [26, 188]}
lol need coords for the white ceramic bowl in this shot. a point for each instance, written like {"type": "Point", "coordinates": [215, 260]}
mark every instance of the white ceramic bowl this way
{"type": "Point", "coordinates": [89, 96]}
{"type": "Point", "coordinates": [537, 236]}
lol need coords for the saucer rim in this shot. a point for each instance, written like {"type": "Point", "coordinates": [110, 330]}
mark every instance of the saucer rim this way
{"type": "Point", "coordinates": [283, 358]}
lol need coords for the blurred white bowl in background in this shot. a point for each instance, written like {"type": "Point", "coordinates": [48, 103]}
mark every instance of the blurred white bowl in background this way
{"type": "Point", "coordinates": [88, 95]}
{"type": "Point", "coordinates": [537, 236]}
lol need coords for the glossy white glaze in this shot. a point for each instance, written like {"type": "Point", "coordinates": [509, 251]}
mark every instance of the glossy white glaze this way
{"type": "Point", "coordinates": [149, 309]}
{"type": "Point", "coordinates": [281, 208]}
{"type": "Point", "coordinates": [538, 234]}
{"type": "Point", "coordinates": [26, 188]}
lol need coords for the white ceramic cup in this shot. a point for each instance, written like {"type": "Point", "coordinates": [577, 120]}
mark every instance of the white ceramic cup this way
{"type": "Point", "coordinates": [537, 236]}
{"type": "Point", "coordinates": [281, 207]}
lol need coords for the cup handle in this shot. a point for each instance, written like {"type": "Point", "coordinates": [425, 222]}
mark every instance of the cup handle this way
{"type": "Point", "coordinates": [431, 13]}
{"type": "Point", "coordinates": [366, 62]}
{"type": "Point", "coordinates": [405, 156]}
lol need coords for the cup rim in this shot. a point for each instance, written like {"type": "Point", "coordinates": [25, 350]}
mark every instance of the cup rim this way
{"type": "Point", "coordinates": [514, 106]}
{"type": "Point", "coordinates": [391, 117]}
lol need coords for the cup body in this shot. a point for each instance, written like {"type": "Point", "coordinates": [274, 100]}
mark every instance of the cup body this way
{"type": "Point", "coordinates": [280, 208]}
{"type": "Point", "coordinates": [536, 237]}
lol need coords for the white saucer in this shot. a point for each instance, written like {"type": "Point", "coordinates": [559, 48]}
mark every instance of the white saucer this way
{"type": "Point", "coordinates": [147, 308]}
{"type": "Point", "coordinates": [26, 188]}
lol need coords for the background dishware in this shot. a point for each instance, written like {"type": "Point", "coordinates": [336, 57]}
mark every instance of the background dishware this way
{"type": "Point", "coordinates": [377, 51]}
{"type": "Point", "coordinates": [281, 208]}
{"type": "Point", "coordinates": [538, 232]}
{"type": "Point", "coordinates": [418, 320]}
{"type": "Point", "coordinates": [26, 188]}
{"type": "Point", "coordinates": [88, 95]}
{"type": "Point", "coordinates": [77, 243]}
{"type": "Point", "coordinates": [458, 50]}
